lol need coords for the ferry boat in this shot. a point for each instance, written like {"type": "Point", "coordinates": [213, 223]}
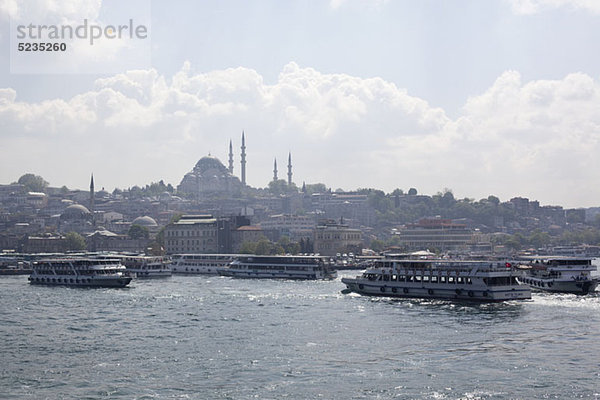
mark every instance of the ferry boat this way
{"type": "Point", "coordinates": [14, 266]}
{"type": "Point", "coordinates": [482, 281]}
{"type": "Point", "coordinates": [200, 263]}
{"type": "Point", "coordinates": [558, 274]}
{"type": "Point", "coordinates": [147, 266]}
{"type": "Point", "coordinates": [279, 267]}
{"type": "Point", "coordinates": [91, 272]}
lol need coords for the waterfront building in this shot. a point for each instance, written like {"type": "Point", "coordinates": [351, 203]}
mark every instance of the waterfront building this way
{"type": "Point", "coordinates": [192, 234]}
{"type": "Point", "coordinates": [246, 233]}
{"type": "Point", "coordinates": [104, 240]}
{"type": "Point", "coordinates": [332, 238]}
{"type": "Point", "coordinates": [438, 233]}
{"type": "Point", "coordinates": [293, 226]}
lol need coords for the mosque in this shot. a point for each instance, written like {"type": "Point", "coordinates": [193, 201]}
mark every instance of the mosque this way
{"type": "Point", "coordinates": [210, 176]}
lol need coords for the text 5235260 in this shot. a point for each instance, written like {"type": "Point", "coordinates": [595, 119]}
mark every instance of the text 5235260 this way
{"type": "Point", "coordinates": [43, 46]}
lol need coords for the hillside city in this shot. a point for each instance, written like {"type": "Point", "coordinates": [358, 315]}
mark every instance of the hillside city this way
{"type": "Point", "coordinates": [214, 211]}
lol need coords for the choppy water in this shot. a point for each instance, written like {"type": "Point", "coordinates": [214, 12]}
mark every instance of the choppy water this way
{"type": "Point", "coordinates": [219, 338]}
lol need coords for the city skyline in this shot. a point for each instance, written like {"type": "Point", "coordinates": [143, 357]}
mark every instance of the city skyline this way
{"type": "Point", "coordinates": [486, 99]}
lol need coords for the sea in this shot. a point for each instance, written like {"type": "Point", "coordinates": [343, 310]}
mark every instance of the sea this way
{"type": "Point", "coordinates": [210, 337]}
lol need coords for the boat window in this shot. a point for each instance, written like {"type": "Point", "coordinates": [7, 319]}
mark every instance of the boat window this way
{"type": "Point", "coordinates": [425, 278]}
{"type": "Point", "coordinates": [451, 279]}
{"type": "Point", "coordinates": [442, 279]}
{"type": "Point", "coordinates": [434, 279]}
{"type": "Point", "coordinates": [417, 278]}
{"type": "Point", "coordinates": [394, 277]}
{"type": "Point", "coordinates": [469, 281]}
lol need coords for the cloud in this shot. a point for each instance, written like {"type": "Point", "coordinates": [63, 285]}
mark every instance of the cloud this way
{"type": "Point", "coordinates": [538, 139]}
{"type": "Point", "coordinates": [527, 7]}
{"type": "Point", "coordinates": [336, 4]}
{"type": "Point", "coordinates": [50, 11]}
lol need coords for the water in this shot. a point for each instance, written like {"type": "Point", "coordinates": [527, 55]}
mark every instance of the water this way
{"type": "Point", "coordinates": [220, 338]}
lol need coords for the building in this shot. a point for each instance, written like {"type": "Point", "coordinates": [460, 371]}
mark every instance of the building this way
{"type": "Point", "coordinates": [332, 238]}
{"type": "Point", "coordinates": [294, 227]}
{"type": "Point", "coordinates": [209, 176]}
{"type": "Point", "coordinates": [192, 234]}
{"type": "Point", "coordinates": [247, 233]}
{"type": "Point", "coordinates": [103, 240]}
{"type": "Point", "coordinates": [435, 233]}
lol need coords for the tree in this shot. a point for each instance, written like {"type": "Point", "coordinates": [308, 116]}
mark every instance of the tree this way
{"type": "Point", "coordinates": [248, 248]}
{"type": "Point", "coordinates": [33, 183]}
{"type": "Point", "coordinates": [447, 198]}
{"type": "Point", "coordinates": [377, 245]}
{"type": "Point", "coordinates": [278, 187]}
{"type": "Point", "coordinates": [493, 199]}
{"type": "Point", "coordinates": [74, 241]}
{"type": "Point", "coordinates": [412, 192]}
{"type": "Point", "coordinates": [316, 188]}
{"type": "Point", "coordinates": [138, 232]}
{"type": "Point", "coordinates": [263, 247]}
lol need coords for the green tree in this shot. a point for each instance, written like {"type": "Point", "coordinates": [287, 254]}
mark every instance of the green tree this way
{"type": "Point", "coordinates": [278, 187]}
{"type": "Point", "coordinates": [493, 199]}
{"type": "Point", "coordinates": [316, 188]}
{"type": "Point", "coordinates": [263, 247]}
{"type": "Point", "coordinates": [33, 183]}
{"type": "Point", "coordinates": [288, 246]}
{"type": "Point", "coordinates": [377, 245]}
{"type": "Point", "coordinates": [412, 192]}
{"type": "Point", "coordinates": [138, 232]}
{"type": "Point", "coordinates": [539, 239]}
{"type": "Point", "coordinates": [248, 248]}
{"type": "Point", "coordinates": [74, 241]}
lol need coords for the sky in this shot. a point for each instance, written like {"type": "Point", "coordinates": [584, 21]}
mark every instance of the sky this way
{"type": "Point", "coordinates": [479, 97]}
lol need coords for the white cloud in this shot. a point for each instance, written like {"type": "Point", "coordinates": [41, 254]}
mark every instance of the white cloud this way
{"type": "Point", "coordinates": [50, 11]}
{"type": "Point", "coordinates": [538, 139]}
{"type": "Point", "coordinates": [336, 4]}
{"type": "Point", "coordinates": [527, 7]}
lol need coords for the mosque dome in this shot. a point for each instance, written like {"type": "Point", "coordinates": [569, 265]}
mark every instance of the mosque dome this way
{"type": "Point", "coordinates": [210, 165]}
{"type": "Point", "coordinates": [75, 211]}
{"type": "Point", "coordinates": [146, 221]}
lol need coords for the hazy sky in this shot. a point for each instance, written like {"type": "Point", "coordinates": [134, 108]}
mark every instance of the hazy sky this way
{"type": "Point", "coordinates": [482, 97]}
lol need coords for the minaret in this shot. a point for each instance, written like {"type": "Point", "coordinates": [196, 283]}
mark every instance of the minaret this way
{"type": "Point", "coordinates": [290, 169]}
{"type": "Point", "coordinates": [243, 161]}
{"type": "Point", "coordinates": [275, 170]}
{"type": "Point", "coordinates": [92, 206]}
{"type": "Point", "coordinates": [230, 157]}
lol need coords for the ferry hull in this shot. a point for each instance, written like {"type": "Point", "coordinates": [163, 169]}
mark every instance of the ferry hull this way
{"type": "Point", "coordinates": [153, 274]}
{"type": "Point", "coordinates": [497, 294]}
{"type": "Point", "coordinates": [562, 286]}
{"type": "Point", "coordinates": [82, 282]}
{"type": "Point", "coordinates": [196, 270]}
{"type": "Point", "coordinates": [259, 275]}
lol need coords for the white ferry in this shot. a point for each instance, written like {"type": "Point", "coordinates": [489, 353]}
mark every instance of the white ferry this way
{"type": "Point", "coordinates": [92, 272]}
{"type": "Point", "coordinates": [147, 266]}
{"type": "Point", "coordinates": [559, 274]}
{"type": "Point", "coordinates": [200, 263]}
{"type": "Point", "coordinates": [484, 281]}
{"type": "Point", "coordinates": [279, 267]}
